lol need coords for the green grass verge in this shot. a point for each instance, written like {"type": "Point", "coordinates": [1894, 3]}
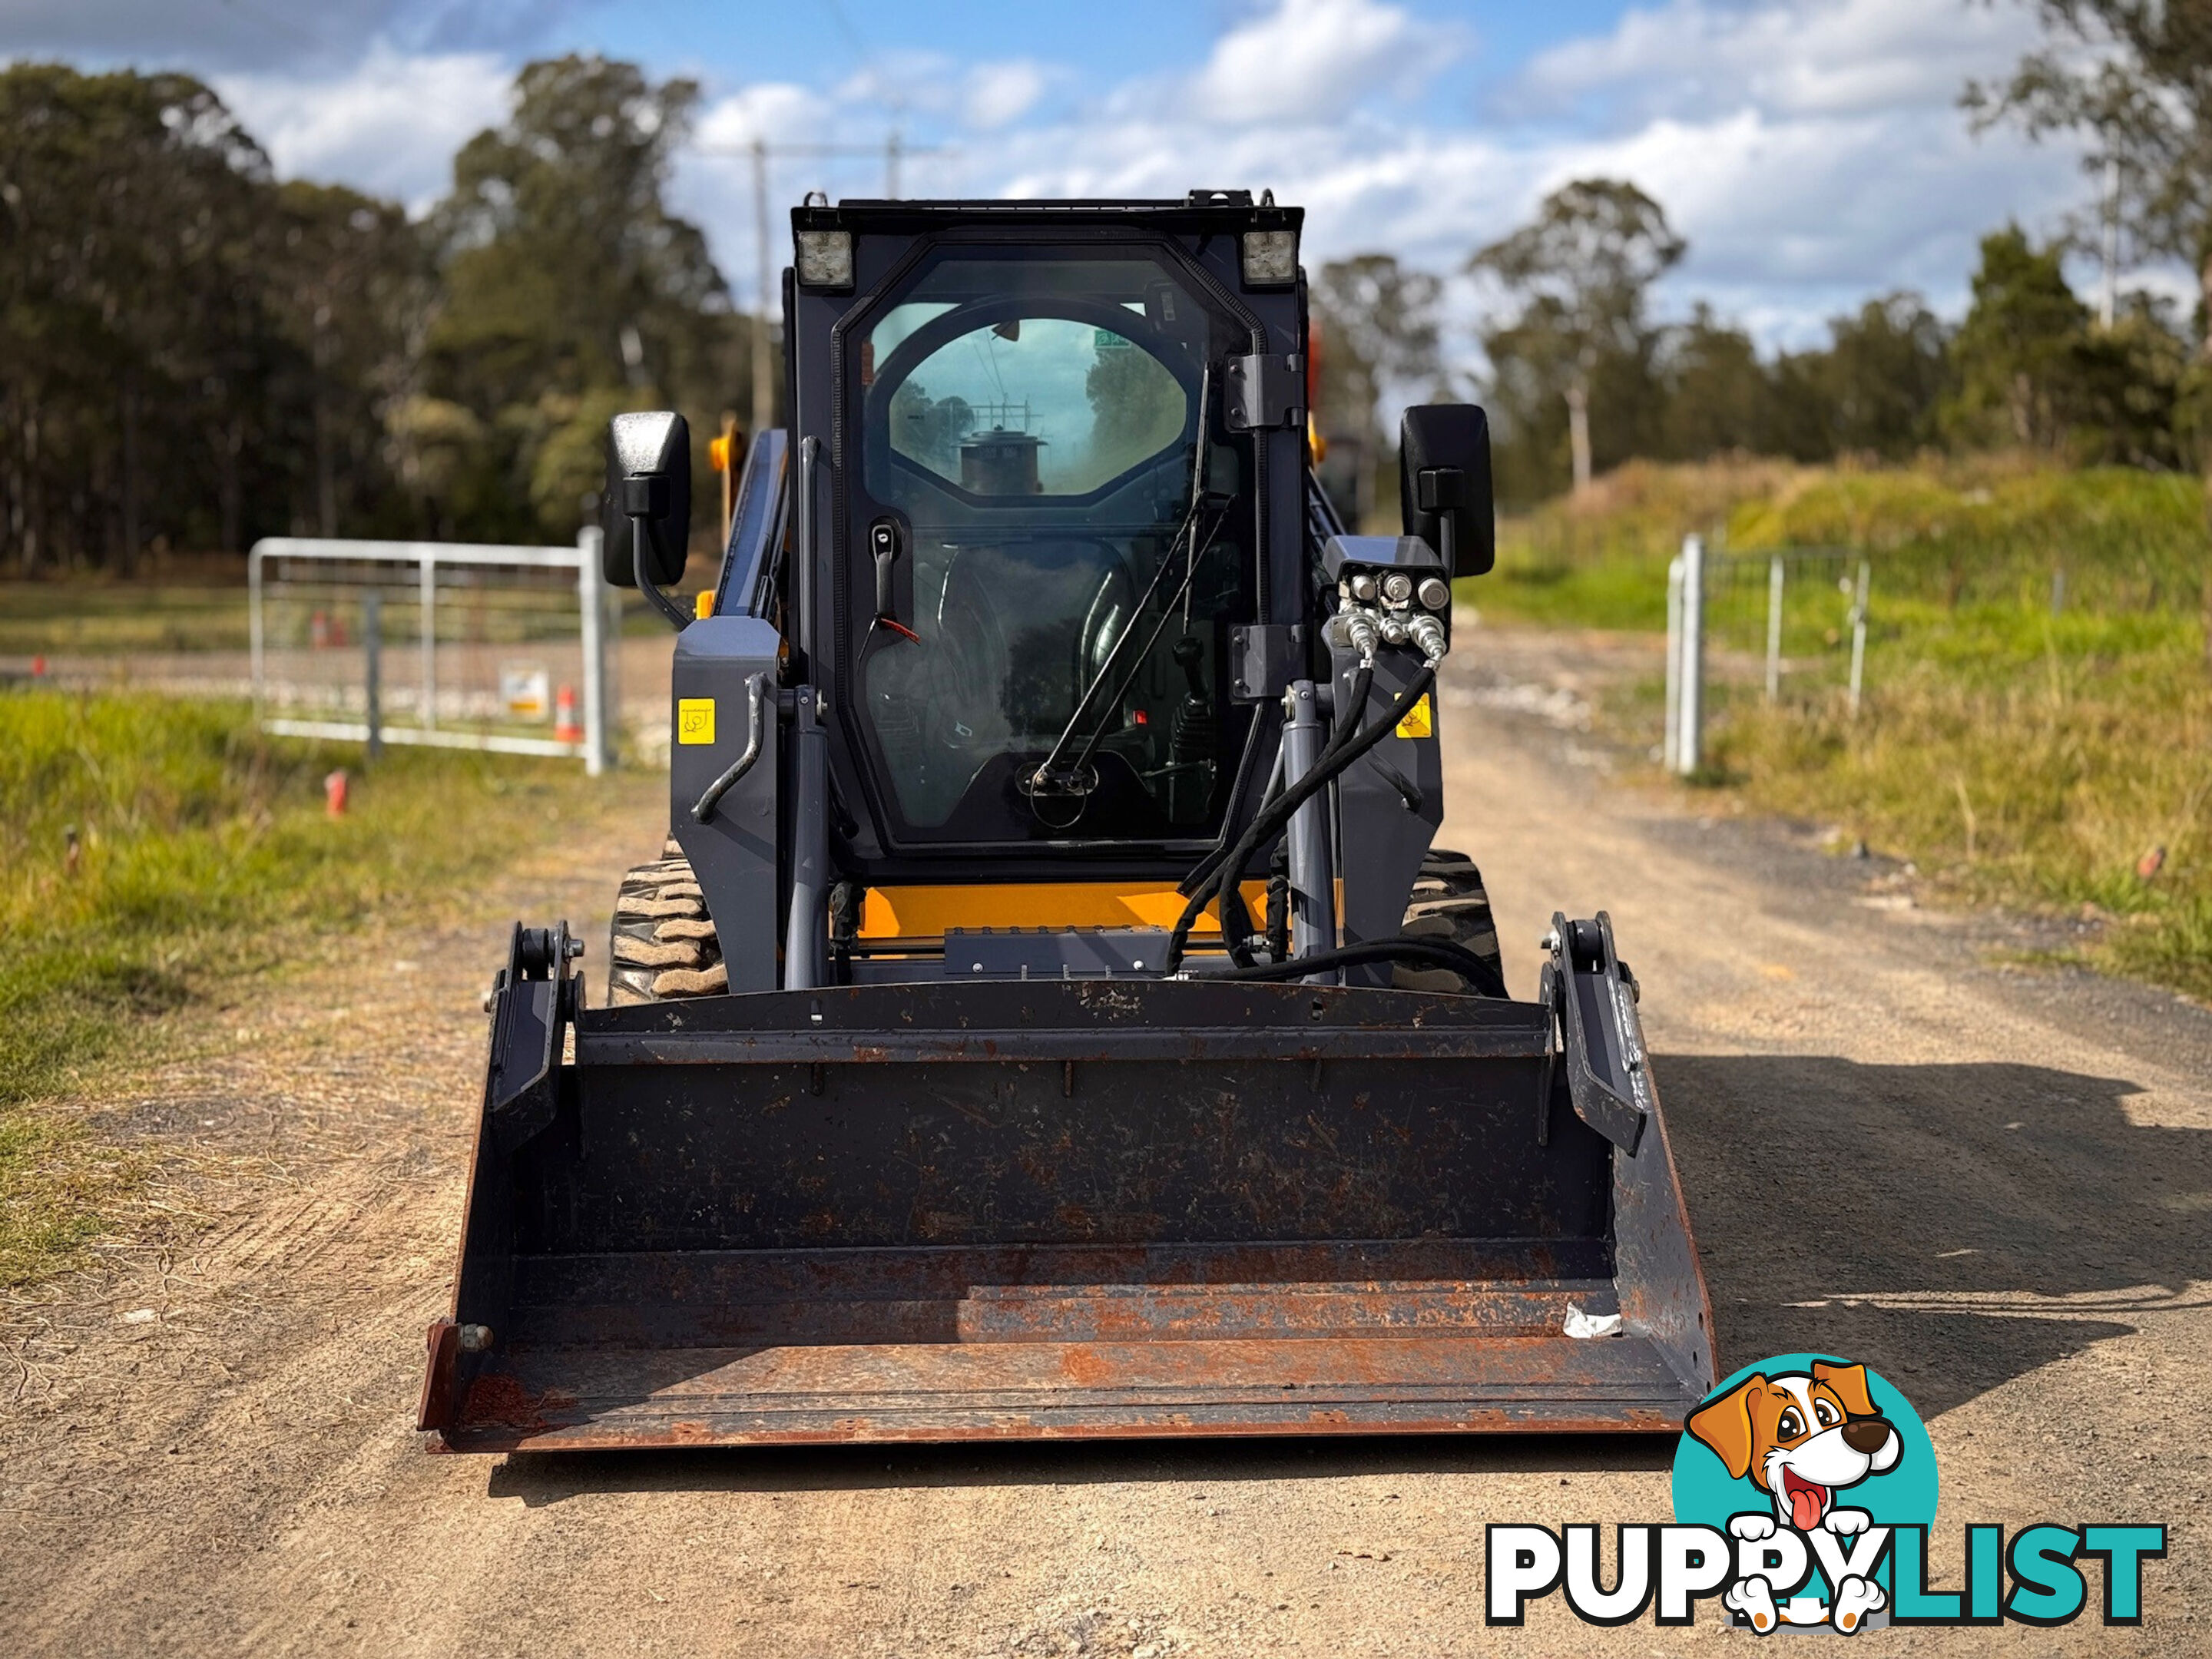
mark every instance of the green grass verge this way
{"type": "Point", "coordinates": [1986, 532]}
{"type": "Point", "coordinates": [90, 618]}
{"type": "Point", "coordinates": [2017, 755]}
{"type": "Point", "coordinates": [205, 854]}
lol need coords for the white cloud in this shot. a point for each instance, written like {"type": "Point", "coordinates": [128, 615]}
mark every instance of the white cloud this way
{"type": "Point", "coordinates": [777, 111]}
{"type": "Point", "coordinates": [1001, 94]}
{"type": "Point", "coordinates": [1799, 57]}
{"type": "Point", "coordinates": [1811, 150]}
{"type": "Point", "coordinates": [1312, 60]}
{"type": "Point", "coordinates": [389, 126]}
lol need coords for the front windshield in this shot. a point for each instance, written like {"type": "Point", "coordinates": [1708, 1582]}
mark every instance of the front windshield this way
{"type": "Point", "coordinates": [1042, 405]}
{"type": "Point", "coordinates": [1061, 593]}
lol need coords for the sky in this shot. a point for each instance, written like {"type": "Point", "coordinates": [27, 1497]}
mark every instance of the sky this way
{"type": "Point", "coordinates": [1811, 151]}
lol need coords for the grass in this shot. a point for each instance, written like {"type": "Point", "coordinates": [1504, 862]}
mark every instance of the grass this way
{"type": "Point", "coordinates": [83, 617]}
{"type": "Point", "coordinates": [2016, 754]}
{"type": "Point", "coordinates": [112, 617]}
{"type": "Point", "coordinates": [1988, 531]}
{"type": "Point", "coordinates": [204, 857]}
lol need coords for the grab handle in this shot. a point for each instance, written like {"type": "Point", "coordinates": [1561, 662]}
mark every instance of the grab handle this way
{"type": "Point", "coordinates": [755, 698]}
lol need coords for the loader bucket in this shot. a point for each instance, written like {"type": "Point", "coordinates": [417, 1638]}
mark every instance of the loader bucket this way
{"type": "Point", "coordinates": [1063, 1209]}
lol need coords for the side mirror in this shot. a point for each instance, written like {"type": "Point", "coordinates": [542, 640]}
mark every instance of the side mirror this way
{"type": "Point", "coordinates": [648, 478]}
{"type": "Point", "coordinates": [1444, 484]}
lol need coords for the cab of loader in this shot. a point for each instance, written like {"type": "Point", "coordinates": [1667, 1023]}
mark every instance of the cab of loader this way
{"type": "Point", "coordinates": [1006, 619]}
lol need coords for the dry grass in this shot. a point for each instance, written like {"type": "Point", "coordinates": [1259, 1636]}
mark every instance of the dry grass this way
{"type": "Point", "coordinates": [2063, 758]}
{"type": "Point", "coordinates": [2015, 755]}
{"type": "Point", "coordinates": [203, 860]}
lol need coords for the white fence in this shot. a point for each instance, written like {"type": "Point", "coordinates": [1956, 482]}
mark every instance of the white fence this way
{"type": "Point", "coordinates": [447, 644]}
{"type": "Point", "coordinates": [1800, 614]}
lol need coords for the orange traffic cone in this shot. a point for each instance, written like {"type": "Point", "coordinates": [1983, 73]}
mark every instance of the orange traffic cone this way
{"type": "Point", "coordinates": [565, 729]}
{"type": "Point", "coordinates": [334, 793]}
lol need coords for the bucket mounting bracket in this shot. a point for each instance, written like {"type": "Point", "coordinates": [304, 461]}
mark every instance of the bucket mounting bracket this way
{"type": "Point", "coordinates": [533, 1000]}
{"type": "Point", "coordinates": [1594, 994]}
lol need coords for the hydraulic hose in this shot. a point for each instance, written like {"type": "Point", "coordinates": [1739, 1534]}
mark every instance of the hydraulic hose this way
{"type": "Point", "coordinates": [1212, 862]}
{"type": "Point", "coordinates": [1268, 824]}
{"type": "Point", "coordinates": [1486, 979]}
{"type": "Point", "coordinates": [1355, 704]}
{"type": "Point", "coordinates": [1357, 699]}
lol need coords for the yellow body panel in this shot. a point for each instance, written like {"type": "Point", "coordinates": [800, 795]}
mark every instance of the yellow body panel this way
{"type": "Point", "coordinates": [925, 912]}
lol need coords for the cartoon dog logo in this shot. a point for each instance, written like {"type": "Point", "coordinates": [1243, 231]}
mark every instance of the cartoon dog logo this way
{"type": "Point", "coordinates": [1802, 1437]}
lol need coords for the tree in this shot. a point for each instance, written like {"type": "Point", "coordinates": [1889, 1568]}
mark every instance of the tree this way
{"type": "Point", "coordinates": [350, 282]}
{"type": "Point", "coordinates": [1881, 377]}
{"type": "Point", "coordinates": [1579, 275]}
{"type": "Point", "coordinates": [1717, 394]}
{"type": "Point", "coordinates": [1137, 407]}
{"type": "Point", "coordinates": [2135, 78]}
{"type": "Point", "coordinates": [192, 353]}
{"type": "Point", "coordinates": [133, 328]}
{"type": "Point", "coordinates": [1378, 331]}
{"type": "Point", "coordinates": [2017, 352]}
{"type": "Point", "coordinates": [565, 279]}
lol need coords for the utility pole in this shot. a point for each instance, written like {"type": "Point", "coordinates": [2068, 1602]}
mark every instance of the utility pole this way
{"type": "Point", "coordinates": [896, 150]}
{"type": "Point", "coordinates": [763, 374]}
{"type": "Point", "coordinates": [2108, 297]}
{"type": "Point", "coordinates": [759, 152]}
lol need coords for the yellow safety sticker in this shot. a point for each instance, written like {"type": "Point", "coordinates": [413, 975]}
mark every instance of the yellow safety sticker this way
{"type": "Point", "coordinates": [694, 719]}
{"type": "Point", "coordinates": [1419, 721]}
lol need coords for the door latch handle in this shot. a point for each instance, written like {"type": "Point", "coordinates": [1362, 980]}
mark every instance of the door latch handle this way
{"type": "Point", "coordinates": [884, 546]}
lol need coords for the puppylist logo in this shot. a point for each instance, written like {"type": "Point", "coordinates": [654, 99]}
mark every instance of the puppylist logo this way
{"type": "Point", "coordinates": [1804, 1488]}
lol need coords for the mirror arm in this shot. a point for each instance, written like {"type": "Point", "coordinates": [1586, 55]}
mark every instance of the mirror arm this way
{"type": "Point", "coordinates": [1442, 490]}
{"type": "Point", "coordinates": [661, 602]}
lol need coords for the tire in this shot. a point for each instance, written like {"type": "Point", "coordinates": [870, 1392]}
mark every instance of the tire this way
{"type": "Point", "coordinates": [1448, 903]}
{"type": "Point", "coordinates": [662, 947]}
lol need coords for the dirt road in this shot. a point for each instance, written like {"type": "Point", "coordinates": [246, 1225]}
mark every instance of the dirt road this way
{"type": "Point", "coordinates": [1993, 1186]}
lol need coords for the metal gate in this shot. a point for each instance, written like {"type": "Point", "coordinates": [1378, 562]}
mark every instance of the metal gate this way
{"type": "Point", "coordinates": [448, 644]}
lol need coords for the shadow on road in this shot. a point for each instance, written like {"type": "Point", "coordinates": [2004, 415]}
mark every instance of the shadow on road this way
{"type": "Point", "coordinates": [551, 1476]}
{"type": "Point", "coordinates": [1928, 1219]}
{"type": "Point", "coordinates": [1953, 1226]}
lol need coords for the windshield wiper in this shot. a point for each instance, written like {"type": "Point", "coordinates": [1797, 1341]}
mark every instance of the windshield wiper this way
{"type": "Point", "coordinates": [1167, 615]}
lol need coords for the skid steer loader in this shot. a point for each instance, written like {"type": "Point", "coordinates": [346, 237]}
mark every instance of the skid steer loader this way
{"type": "Point", "coordinates": [1050, 1017]}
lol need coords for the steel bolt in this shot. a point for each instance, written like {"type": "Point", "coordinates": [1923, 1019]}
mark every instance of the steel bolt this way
{"type": "Point", "coordinates": [575, 949]}
{"type": "Point", "coordinates": [1550, 941]}
{"type": "Point", "coordinates": [1397, 587]}
{"type": "Point", "coordinates": [474, 1339]}
{"type": "Point", "coordinates": [1363, 588]}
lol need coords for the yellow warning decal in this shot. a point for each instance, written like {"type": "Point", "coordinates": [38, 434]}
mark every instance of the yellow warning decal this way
{"type": "Point", "coordinates": [694, 719]}
{"type": "Point", "coordinates": [1419, 721]}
